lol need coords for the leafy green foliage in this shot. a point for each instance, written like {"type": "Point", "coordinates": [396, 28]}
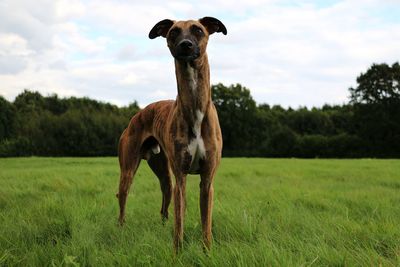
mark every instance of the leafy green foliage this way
{"type": "Point", "coordinates": [7, 119]}
{"type": "Point", "coordinates": [61, 127]}
{"type": "Point", "coordinates": [380, 84]}
{"type": "Point", "coordinates": [251, 130]}
{"type": "Point", "coordinates": [236, 111]}
{"type": "Point", "coordinates": [376, 102]}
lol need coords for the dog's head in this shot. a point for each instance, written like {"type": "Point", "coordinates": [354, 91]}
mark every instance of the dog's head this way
{"type": "Point", "coordinates": [187, 40]}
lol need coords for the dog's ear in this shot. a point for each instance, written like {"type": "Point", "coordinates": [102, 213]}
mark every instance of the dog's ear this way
{"type": "Point", "coordinates": [161, 28]}
{"type": "Point", "coordinates": [213, 25]}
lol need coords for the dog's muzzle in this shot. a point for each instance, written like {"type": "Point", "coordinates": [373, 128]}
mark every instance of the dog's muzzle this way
{"type": "Point", "coordinates": [186, 50]}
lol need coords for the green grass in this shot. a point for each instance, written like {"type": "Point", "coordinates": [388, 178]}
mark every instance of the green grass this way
{"type": "Point", "coordinates": [267, 212]}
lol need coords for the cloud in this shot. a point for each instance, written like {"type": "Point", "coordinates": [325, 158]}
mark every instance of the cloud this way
{"type": "Point", "coordinates": [127, 53]}
{"type": "Point", "coordinates": [11, 65]}
{"type": "Point", "coordinates": [303, 53]}
{"type": "Point", "coordinates": [307, 55]}
{"type": "Point", "coordinates": [13, 54]}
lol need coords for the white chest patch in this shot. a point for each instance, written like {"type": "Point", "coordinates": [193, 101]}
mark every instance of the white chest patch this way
{"type": "Point", "coordinates": [192, 78]}
{"type": "Point", "coordinates": [196, 146]}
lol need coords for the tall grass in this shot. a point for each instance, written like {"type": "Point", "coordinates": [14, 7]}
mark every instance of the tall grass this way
{"type": "Point", "coordinates": [267, 212]}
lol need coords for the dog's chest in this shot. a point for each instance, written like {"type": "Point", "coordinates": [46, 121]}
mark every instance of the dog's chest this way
{"type": "Point", "coordinates": [196, 146]}
{"type": "Point", "coordinates": [192, 78]}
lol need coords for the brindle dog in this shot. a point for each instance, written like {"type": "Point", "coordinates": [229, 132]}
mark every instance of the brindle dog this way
{"type": "Point", "coordinates": [181, 136]}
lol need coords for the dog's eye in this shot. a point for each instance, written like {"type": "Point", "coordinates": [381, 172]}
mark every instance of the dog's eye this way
{"type": "Point", "coordinates": [173, 33]}
{"type": "Point", "coordinates": [197, 30]}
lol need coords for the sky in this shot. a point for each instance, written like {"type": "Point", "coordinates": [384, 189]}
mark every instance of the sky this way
{"type": "Point", "coordinates": [292, 53]}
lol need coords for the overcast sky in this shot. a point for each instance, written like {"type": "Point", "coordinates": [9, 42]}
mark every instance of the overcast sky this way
{"type": "Point", "coordinates": [293, 53]}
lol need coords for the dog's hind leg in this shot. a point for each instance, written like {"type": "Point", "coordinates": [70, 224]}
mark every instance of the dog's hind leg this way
{"type": "Point", "coordinates": [159, 164]}
{"type": "Point", "coordinates": [129, 159]}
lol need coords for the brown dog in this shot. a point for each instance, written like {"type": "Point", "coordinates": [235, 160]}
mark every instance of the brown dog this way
{"type": "Point", "coordinates": [181, 136]}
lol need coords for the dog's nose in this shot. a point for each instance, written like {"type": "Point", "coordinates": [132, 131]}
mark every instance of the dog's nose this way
{"type": "Point", "coordinates": [186, 44]}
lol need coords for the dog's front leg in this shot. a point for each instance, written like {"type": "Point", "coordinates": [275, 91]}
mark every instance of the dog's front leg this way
{"type": "Point", "coordinates": [206, 205]}
{"type": "Point", "coordinates": [179, 205]}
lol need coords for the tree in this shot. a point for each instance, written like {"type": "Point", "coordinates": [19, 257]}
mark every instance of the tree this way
{"type": "Point", "coordinates": [236, 111]}
{"type": "Point", "coordinates": [29, 101]}
{"type": "Point", "coordinates": [53, 126]}
{"type": "Point", "coordinates": [380, 84]}
{"type": "Point", "coordinates": [370, 126]}
{"type": "Point", "coordinates": [130, 110]}
{"type": "Point", "coordinates": [376, 102]}
{"type": "Point", "coordinates": [7, 119]}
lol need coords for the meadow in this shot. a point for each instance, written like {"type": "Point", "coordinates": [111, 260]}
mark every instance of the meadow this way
{"type": "Point", "coordinates": [267, 212]}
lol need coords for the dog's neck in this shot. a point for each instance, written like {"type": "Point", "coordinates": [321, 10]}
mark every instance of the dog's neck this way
{"type": "Point", "coordinates": [194, 91]}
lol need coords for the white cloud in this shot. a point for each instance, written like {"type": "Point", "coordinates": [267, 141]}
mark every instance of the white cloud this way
{"type": "Point", "coordinates": [129, 79]}
{"type": "Point", "coordinates": [127, 53]}
{"type": "Point", "coordinates": [69, 9]}
{"type": "Point", "coordinates": [12, 44]}
{"type": "Point", "coordinates": [290, 54]}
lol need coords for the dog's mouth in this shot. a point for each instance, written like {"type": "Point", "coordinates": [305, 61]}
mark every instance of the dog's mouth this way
{"type": "Point", "coordinates": [183, 57]}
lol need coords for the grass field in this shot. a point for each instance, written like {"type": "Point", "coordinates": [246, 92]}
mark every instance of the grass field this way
{"type": "Point", "coordinates": [267, 212]}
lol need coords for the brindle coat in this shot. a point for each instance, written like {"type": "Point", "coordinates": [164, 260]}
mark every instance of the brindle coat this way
{"type": "Point", "coordinates": [182, 136]}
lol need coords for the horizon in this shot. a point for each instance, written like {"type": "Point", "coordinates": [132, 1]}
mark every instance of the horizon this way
{"type": "Point", "coordinates": [289, 53]}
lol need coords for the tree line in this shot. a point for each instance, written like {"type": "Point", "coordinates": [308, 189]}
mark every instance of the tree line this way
{"type": "Point", "coordinates": [367, 126]}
